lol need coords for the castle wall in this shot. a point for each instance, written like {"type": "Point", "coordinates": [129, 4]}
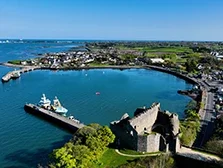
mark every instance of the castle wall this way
{"type": "Point", "coordinates": [148, 143]}
{"type": "Point", "coordinates": [126, 135]}
{"type": "Point", "coordinates": [153, 142]}
{"type": "Point", "coordinates": [142, 143]}
{"type": "Point", "coordinates": [144, 121]}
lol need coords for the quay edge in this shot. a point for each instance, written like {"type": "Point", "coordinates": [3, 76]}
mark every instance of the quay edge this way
{"type": "Point", "coordinates": [57, 119]}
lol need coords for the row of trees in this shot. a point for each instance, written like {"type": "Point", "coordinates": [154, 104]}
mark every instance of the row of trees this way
{"type": "Point", "coordinates": [191, 125]}
{"type": "Point", "coordinates": [86, 147]}
{"type": "Point", "coordinates": [208, 61]}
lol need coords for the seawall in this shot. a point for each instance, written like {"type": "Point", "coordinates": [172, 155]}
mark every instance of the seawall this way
{"type": "Point", "coordinates": [180, 75]}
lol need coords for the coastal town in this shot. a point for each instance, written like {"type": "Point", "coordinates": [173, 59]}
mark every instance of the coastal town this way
{"type": "Point", "coordinates": [202, 68]}
{"type": "Point", "coordinates": [127, 54]}
{"type": "Point", "coordinates": [111, 84]}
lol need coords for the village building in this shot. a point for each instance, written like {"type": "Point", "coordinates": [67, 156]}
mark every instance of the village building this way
{"type": "Point", "coordinates": [157, 60]}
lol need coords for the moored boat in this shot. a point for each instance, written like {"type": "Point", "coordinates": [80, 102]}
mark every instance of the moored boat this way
{"type": "Point", "coordinates": [56, 107]}
{"type": "Point", "coordinates": [44, 102]}
{"type": "Point", "coordinates": [15, 75]}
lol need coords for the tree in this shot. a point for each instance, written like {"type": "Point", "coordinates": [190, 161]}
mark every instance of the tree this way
{"type": "Point", "coordinates": [191, 64]}
{"type": "Point", "coordinates": [63, 158]}
{"type": "Point", "coordinates": [210, 61]}
{"type": "Point", "coordinates": [215, 146]}
{"type": "Point", "coordinates": [95, 126]}
{"type": "Point", "coordinates": [81, 135]}
{"type": "Point", "coordinates": [99, 141]}
{"type": "Point", "coordinates": [192, 115]}
{"type": "Point", "coordinates": [88, 144]}
{"type": "Point", "coordinates": [191, 125]}
{"type": "Point", "coordinates": [82, 155]}
{"type": "Point", "coordinates": [189, 131]}
{"type": "Point", "coordinates": [171, 56]}
{"type": "Point", "coordinates": [192, 105]}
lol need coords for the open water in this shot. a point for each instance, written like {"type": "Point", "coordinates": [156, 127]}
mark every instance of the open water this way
{"type": "Point", "coordinates": [26, 140]}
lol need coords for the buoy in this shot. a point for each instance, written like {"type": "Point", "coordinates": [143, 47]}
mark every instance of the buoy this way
{"type": "Point", "coordinates": [97, 93]}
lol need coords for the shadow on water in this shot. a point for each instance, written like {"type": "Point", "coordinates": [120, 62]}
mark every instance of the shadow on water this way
{"type": "Point", "coordinates": [28, 158]}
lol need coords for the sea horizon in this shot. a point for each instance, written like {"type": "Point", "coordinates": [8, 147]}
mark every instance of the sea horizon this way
{"type": "Point", "coordinates": [105, 40]}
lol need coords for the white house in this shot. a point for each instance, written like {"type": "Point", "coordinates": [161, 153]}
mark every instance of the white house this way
{"type": "Point", "coordinates": [157, 60]}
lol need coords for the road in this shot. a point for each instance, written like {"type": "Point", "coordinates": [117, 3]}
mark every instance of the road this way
{"type": "Point", "coordinates": [187, 152]}
{"type": "Point", "coordinates": [207, 119]}
{"type": "Point", "coordinates": [183, 151]}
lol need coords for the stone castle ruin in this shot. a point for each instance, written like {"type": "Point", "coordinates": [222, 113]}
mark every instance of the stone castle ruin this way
{"type": "Point", "coordinates": [150, 130]}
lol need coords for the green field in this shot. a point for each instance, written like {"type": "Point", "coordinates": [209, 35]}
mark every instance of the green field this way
{"type": "Point", "coordinates": [165, 49]}
{"type": "Point", "coordinates": [159, 49]}
{"type": "Point", "coordinates": [17, 62]}
{"type": "Point", "coordinates": [97, 64]}
{"type": "Point", "coordinates": [111, 159]}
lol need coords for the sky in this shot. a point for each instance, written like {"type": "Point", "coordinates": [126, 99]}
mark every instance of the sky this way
{"type": "Point", "coordinates": [186, 20]}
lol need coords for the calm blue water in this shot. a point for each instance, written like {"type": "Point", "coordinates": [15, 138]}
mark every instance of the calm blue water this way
{"type": "Point", "coordinates": [27, 140]}
{"type": "Point", "coordinates": [22, 51]}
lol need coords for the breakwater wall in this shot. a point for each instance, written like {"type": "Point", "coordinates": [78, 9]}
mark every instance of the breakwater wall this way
{"type": "Point", "coordinates": [69, 124]}
{"type": "Point", "coordinates": [9, 75]}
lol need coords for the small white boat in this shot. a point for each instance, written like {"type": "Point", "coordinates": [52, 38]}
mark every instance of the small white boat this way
{"type": "Point", "coordinates": [97, 93]}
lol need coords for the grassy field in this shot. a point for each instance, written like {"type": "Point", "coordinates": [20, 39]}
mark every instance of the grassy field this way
{"type": "Point", "coordinates": [95, 64]}
{"type": "Point", "coordinates": [111, 159]}
{"type": "Point", "coordinates": [17, 62]}
{"type": "Point", "coordinates": [165, 49]}
{"type": "Point", "coordinates": [159, 49]}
